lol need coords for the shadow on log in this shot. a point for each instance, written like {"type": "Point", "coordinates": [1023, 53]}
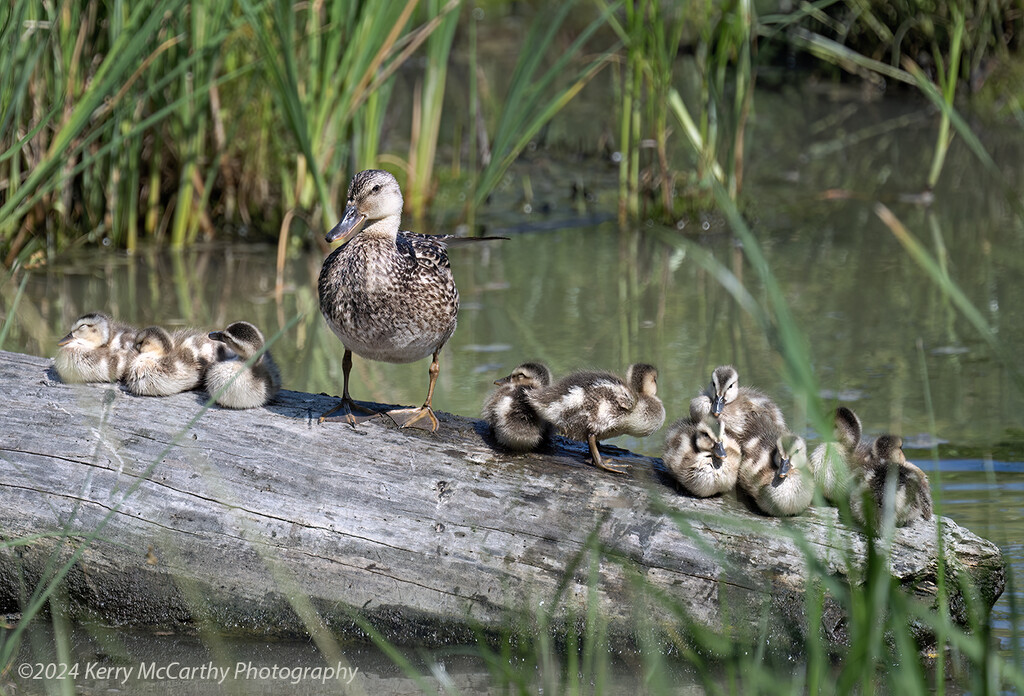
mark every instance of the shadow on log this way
{"type": "Point", "coordinates": [230, 518]}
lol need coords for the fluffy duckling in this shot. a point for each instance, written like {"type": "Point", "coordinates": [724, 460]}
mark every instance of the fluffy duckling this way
{"type": "Point", "coordinates": [514, 422]}
{"type": "Point", "coordinates": [913, 498]}
{"type": "Point", "coordinates": [732, 404]}
{"type": "Point", "coordinates": [244, 386]}
{"type": "Point", "coordinates": [161, 366]}
{"type": "Point", "coordinates": [97, 349]}
{"type": "Point", "coordinates": [702, 456]}
{"type": "Point", "coordinates": [775, 472]}
{"type": "Point", "coordinates": [388, 295]}
{"type": "Point", "coordinates": [831, 462]}
{"type": "Point", "coordinates": [594, 406]}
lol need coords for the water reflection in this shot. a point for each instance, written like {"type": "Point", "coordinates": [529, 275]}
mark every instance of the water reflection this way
{"type": "Point", "coordinates": [881, 335]}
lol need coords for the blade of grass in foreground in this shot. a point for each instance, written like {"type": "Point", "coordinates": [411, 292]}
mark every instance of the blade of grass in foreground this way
{"type": "Point", "coordinates": [934, 270]}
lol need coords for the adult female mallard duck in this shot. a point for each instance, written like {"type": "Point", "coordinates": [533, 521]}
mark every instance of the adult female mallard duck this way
{"type": "Point", "coordinates": [387, 294]}
{"type": "Point", "coordinates": [244, 386]}
{"type": "Point", "coordinates": [774, 471]}
{"type": "Point", "coordinates": [702, 456]}
{"type": "Point", "coordinates": [734, 405]}
{"type": "Point", "coordinates": [97, 349]}
{"type": "Point", "coordinates": [885, 470]}
{"type": "Point", "coordinates": [163, 364]}
{"type": "Point", "coordinates": [831, 462]}
{"type": "Point", "coordinates": [594, 406]}
{"type": "Point", "coordinates": [515, 423]}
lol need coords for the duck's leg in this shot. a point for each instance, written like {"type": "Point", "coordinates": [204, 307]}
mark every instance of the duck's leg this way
{"type": "Point", "coordinates": [350, 407]}
{"type": "Point", "coordinates": [617, 468]}
{"type": "Point", "coordinates": [406, 417]}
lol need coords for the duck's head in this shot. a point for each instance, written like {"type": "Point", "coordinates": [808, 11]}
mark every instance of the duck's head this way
{"type": "Point", "coordinates": [374, 194]}
{"type": "Point", "coordinates": [154, 341]}
{"type": "Point", "coordinates": [642, 379]}
{"type": "Point", "coordinates": [725, 387]}
{"type": "Point", "coordinates": [242, 338]}
{"type": "Point", "coordinates": [888, 449]}
{"type": "Point", "coordinates": [790, 453]}
{"type": "Point", "coordinates": [530, 375]}
{"type": "Point", "coordinates": [847, 427]}
{"type": "Point", "coordinates": [711, 438]}
{"type": "Point", "coordinates": [89, 330]}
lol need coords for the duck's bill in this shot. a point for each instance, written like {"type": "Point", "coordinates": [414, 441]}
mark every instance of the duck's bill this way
{"type": "Point", "coordinates": [717, 404]}
{"type": "Point", "coordinates": [784, 468]}
{"type": "Point", "coordinates": [503, 380]}
{"type": "Point", "coordinates": [718, 455]}
{"type": "Point", "coordinates": [216, 336]}
{"type": "Point", "coordinates": [66, 340]}
{"type": "Point", "coordinates": [350, 224]}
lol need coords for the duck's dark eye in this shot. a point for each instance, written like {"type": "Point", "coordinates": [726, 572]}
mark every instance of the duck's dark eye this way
{"type": "Point", "coordinates": [376, 188]}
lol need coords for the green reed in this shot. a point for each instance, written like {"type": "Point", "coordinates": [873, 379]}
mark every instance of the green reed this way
{"type": "Point", "coordinates": [428, 106]}
{"type": "Point", "coordinates": [535, 93]}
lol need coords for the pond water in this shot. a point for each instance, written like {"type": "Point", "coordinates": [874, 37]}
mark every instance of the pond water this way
{"type": "Point", "coordinates": [570, 289]}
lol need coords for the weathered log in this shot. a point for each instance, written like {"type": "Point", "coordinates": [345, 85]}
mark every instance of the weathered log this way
{"type": "Point", "coordinates": [427, 536]}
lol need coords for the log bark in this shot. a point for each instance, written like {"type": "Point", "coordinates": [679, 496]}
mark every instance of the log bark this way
{"type": "Point", "coordinates": [238, 517]}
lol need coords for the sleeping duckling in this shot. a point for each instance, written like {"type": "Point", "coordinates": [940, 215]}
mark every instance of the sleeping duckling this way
{"type": "Point", "coordinates": [97, 349]}
{"type": "Point", "coordinates": [774, 471]}
{"type": "Point", "coordinates": [594, 406]}
{"type": "Point", "coordinates": [160, 367]}
{"type": "Point", "coordinates": [913, 498]}
{"type": "Point", "coordinates": [514, 422]}
{"type": "Point", "coordinates": [732, 404]}
{"type": "Point", "coordinates": [702, 456]}
{"type": "Point", "coordinates": [253, 385]}
{"type": "Point", "coordinates": [831, 462]}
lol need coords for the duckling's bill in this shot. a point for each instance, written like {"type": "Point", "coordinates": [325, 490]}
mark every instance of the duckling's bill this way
{"type": "Point", "coordinates": [349, 225]}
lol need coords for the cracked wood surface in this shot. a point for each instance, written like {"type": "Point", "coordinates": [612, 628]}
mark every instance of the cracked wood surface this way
{"type": "Point", "coordinates": [231, 517]}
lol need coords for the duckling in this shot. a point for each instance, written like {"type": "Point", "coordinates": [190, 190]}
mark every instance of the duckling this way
{"type": "Point", "coordinates": [160, 367]}
{"type": "Point", "coordinates": [774, 471]}
{"type": "Point", "coordinates": [97, 349]}
{"type": "Point", "coordinates": [702, 456]}
{"type": "Point", "coordinates": [387, 294]}
{"type": "Point", "coordinates": [253, 385]}
{"type": "Point", "coordinates": [831, 462]}
{"type": "Point", "coordinates": [594, 406]}
{"type": "Point", "coordinates": [514, 422]}
{"type": "Point", "coordinates": [913, 498]}
{"type": "Point", "coordinates": [732, 404]}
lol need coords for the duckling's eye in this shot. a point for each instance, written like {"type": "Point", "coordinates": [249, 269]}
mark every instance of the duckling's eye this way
{"type": "Point", "coordinates": [376, 188]}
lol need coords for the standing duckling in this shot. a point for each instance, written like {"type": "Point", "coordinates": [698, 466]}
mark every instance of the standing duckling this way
{"type": "Point", "coordinates": [97, 349]}
{"type": "Point", "coordinates": [732, 404]}
{"type": "Point", "coordinates": [775, 472]}
{"type": "Point", "coordinates": [913, 498]}
{"type": "Point", "coordinates": [514, 422]}
{"type": "Point", "coordinates": [831, 462]}
{"type": "Point", "coordinates": [244, 386]}
{"type": "Point", "coordinates": [594, 406]}
{"type": "Point", "coordinates": [159, 367]}
{"type": "Point", "coordinates": [702, 456]}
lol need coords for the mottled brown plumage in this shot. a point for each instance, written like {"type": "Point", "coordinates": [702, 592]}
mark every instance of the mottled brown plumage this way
{"type": "Point", "coordinates": [702, 456]}
{"type": "Point", "coordinates": [831, 462]}
{"type": "Point", "coordinates": [163, 364]}
{"type": "Point", "coordinates": [233, 384]}
{"type": "Point", "coordinates": [884, 469]}
{"type": "Point", "coordinates": [775, 472]}
{"type": "Point", "coordinates": [732, 404]}
{"type": "Point", "coordinates": [388, 295]}
{"type": "Point", "coordinates": [97, 349]}
{"type": "Point", "coordinates": [594, 406]}
{"type": "Point", "coordinates": [515, 423]}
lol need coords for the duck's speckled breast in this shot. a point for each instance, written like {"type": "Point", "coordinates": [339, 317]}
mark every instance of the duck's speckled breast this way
{"type": "Point", "coordinates": [391, 302]}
